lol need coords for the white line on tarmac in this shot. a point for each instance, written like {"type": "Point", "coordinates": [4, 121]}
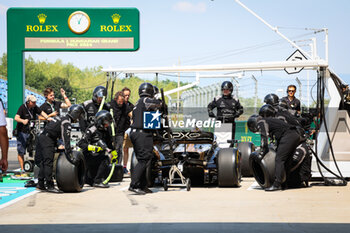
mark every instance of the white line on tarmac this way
{"type": "Point", "coordinates": [8, 191]}
{"type": "Point", "coordinates": [12, 188]}
{"type": "Point", "coordinates": [125, 188]}
{"type": "Point", "coordinates": [18, 199]}
{"type": "Point", "coordinates": [254, 186]}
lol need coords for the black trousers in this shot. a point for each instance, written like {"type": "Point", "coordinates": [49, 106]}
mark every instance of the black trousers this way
{"type": "Point", "coordinates": [97, 168]}
{"type": "Point", "coordinates": [285, 150]}
{"type": "Point", "coordinates": [143, 147]}
{"type": "Point", "coordinates": [119, 147]}
{"type": "Point", "coordinates": [44, 158]}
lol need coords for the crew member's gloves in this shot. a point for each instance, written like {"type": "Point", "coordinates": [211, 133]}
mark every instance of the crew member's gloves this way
{"type": "Point", "coordinates": [95, 149]}
{"type": "Point", "coordinates": [114, 156]}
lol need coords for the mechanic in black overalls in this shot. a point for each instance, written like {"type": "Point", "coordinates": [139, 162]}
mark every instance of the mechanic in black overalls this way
{"type": "Point", "coordinates": [142, 139]}
{"type": "Point", "coordinates": [92, 106]}
{"type": "Point", "coordinates": [283, 113]}
{"type": "Point", "coordinates": [59, 127]}
{"type": "Point", "coordinates": [228, 107]}
{"type": "Point", "coordinates": [95, 142]}
{"type": "Point", "coordinates": [287, 139]}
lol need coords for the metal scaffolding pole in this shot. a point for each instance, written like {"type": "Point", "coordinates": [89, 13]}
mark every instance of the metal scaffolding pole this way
{"type": "Point", "coordinates": [256, 94]}
{"type": "Point", "coordinates": [300, 86]}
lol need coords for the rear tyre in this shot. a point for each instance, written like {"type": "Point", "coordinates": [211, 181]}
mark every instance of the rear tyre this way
{"type": "Point", "coordinates": [70, 177]}
{"type": "Point", "coordinates": [229, 171]}
{"type": "Point", "coordinates": [246, 148]}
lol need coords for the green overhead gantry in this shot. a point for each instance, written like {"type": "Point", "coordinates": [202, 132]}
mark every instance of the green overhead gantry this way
{"type": "Point", "coordinates": [64, 29]}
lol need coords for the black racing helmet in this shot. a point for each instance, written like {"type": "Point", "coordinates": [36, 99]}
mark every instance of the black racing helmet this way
{"type": "Point", "coordinates": [271, 99]}
{"type": "Point", "coordinates": [253, 123]}
{"type": "Point", "coordinates": [76, 112]}
{"type": "Point", "coordinates": [146, 89]}
{"type": "Point", "coordinates": [103, 119]}
{"type": "Point", "coordinates": [267, 110]}
{"type": "Point", "coordinates": [156, 89]}
{"type": "Point", "coordinates": [99, 91]}
{"type": "Point", "coordinates": [283, 104]}
{"type": "Point", "coordinates": [227, 85]}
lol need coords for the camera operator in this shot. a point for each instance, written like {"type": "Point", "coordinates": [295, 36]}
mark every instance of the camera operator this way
{"type": "Point", "coordinates": [25, 113]}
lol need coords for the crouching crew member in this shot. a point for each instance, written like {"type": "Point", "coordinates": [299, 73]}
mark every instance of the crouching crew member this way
{"type": "Point", "coordinates": [228, 107]}
{"type": "Point", "coordinates": [142, 139]}
{"type": "Point", "coordinates": [94, 144]}
{"type": "Point", "coordinates": [59, 127]}
{"type": "Point", "coordinates": [287, 139]}
{"type": "Point", "coordinates": [92, 107]}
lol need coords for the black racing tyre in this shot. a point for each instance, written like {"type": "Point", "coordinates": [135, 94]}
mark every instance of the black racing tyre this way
{"type": "Point", "coordinates": [263, 170]}
{"type": "Point", "coordinates": [28, 165]}
{"type": "Point", "coordinates": [70, 177]}
{"type": "Point", "coordinates": [118, 173]}
{"type": "Point", "coordinates": [229, 171]}
{"type": "Point", "coordinates": [149, 177]}
{"type": "Point", "coordinates": [246, 148]}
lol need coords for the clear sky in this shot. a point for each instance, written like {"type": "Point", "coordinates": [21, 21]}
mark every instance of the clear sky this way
{"type": "Point", "coordinates": [184, 32]}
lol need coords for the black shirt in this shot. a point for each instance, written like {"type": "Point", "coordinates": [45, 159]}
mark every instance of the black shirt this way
{"type": "Point", "coordinates": [287, 117]}
{"type": "Point", "coordinates": [273, 128]}
{"type": "Point", "coordinates": [50, 108]}
{"type": "Point", "coordinates": [60, 127]}
{"type": "Point", "coordinates": [120, 116]}
{"type": "Point", "coordinates": [25, 113]}
{"type": "Point", "coordinates": [294, 104]}
{"type": "Point", "coordinates": [142, 105]}
{"type": "Point", "coordinates": [228, 108]}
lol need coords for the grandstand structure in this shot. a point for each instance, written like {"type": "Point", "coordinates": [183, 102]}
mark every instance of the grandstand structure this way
{"type": "Point", "coordinates": [28, 91]}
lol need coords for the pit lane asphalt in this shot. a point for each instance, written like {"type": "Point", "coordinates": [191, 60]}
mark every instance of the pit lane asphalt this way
{"type": "Point", "coordinates": [203, 209]}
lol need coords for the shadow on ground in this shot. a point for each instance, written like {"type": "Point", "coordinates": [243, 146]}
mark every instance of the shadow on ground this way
{"type": "Point", "coordinates": [181, 227]}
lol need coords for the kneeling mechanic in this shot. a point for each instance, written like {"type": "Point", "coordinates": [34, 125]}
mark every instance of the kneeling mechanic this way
{"type": "Point", "coordinates": [95, 142]}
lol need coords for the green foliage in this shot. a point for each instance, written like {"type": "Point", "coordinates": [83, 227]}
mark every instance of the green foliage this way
{"type": "Point", "coordinates": [3, 65]}
{"type": "Point", "coordinates": [57, 83]}
{"type": "Point", "coordinates": [77, 83]}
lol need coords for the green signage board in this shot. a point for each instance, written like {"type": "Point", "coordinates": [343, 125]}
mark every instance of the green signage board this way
{"type": "Point", "coordinates": [64, 29]}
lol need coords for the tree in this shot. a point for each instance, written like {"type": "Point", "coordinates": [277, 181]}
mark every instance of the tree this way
{"type": "Point", "coordinates": [3, 65]}
{"type": "Point", "coordinates": [56, 83]}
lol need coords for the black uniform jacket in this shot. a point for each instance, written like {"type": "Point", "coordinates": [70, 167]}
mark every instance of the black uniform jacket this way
{"type": "Point", "coordinates": [228, 108]}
